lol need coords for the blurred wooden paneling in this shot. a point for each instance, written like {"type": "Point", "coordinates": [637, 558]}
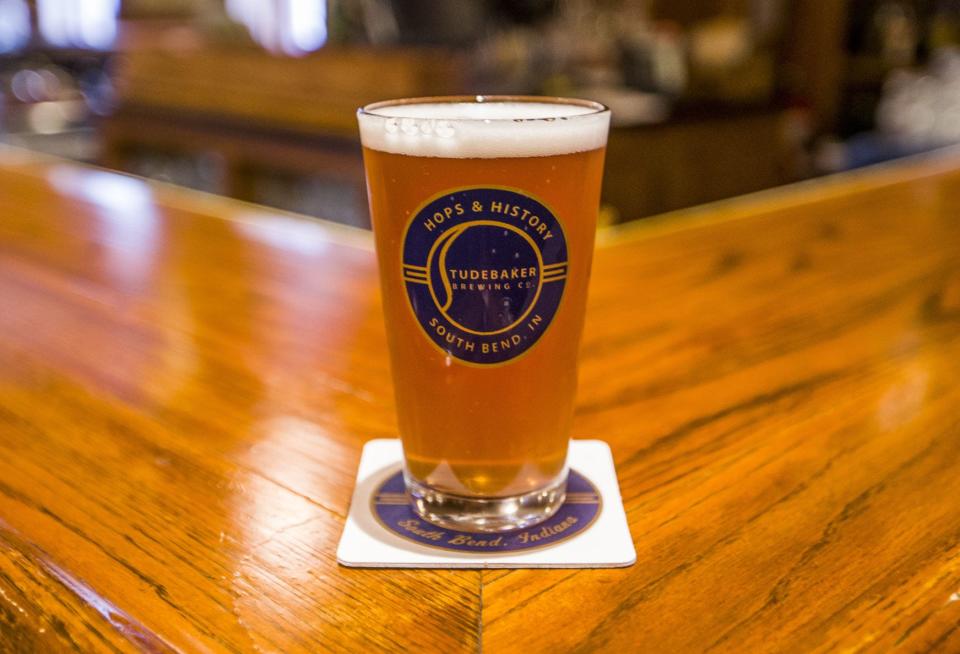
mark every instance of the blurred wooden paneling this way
{"type": "Point", "coordinates": [265, 117]}
{"type": "Point", "coordinates": [318, 92]}
{"type": "Point", "coordinates": [660, 168]}
{"type": "Point", "coordinates": [814, 58]}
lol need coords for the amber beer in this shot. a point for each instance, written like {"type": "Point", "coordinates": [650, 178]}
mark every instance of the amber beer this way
{"type": "Point", "coordinates": [484, 211]}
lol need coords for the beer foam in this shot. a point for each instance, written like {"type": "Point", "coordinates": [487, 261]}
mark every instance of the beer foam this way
{"type": "Point", "coordinates": [484, 130]}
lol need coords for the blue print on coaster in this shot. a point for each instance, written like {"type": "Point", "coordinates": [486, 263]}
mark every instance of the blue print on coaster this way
{"type": "Point", "coordinates": [392, 508]}
{"type": "Point", "coordinates": [484, 269]}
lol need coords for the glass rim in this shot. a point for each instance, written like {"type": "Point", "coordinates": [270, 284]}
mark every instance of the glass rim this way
{"type": "Point", "coordinates": [595, 107]}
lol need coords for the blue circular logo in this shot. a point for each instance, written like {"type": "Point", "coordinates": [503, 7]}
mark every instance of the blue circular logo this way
{"type": "Point", "coordinates": [484, 270]}
{"type": "Point", "coordinates": [391, 506]}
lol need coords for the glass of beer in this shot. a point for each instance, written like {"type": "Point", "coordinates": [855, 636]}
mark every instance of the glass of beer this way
{"type": "Point", "coordinates": [484, 212]}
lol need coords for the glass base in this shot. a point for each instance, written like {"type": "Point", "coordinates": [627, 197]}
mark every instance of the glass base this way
{"type": "Point", "coordinates": [488, 514]}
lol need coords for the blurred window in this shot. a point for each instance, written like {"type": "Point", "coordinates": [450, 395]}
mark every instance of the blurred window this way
{"type": "Point", "coordinates": [90, 24]}
{"type": "Point", "coordinates": [14, 25]}
{"type": "Point", "coordinates": [292, 27]}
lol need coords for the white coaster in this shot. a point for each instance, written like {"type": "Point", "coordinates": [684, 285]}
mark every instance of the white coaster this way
{"type": "Point", "coordinates": [600, 536]}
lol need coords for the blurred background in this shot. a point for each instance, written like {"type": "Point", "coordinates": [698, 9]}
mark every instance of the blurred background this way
{"type": "Point", "coordinates": [255, 99]}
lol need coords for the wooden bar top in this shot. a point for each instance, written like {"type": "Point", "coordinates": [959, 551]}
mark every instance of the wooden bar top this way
{"type": "Point", "coordinates": [186, 383]}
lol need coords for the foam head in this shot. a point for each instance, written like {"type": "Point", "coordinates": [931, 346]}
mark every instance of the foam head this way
{"type": "Point", "coordinates": [485, 128]}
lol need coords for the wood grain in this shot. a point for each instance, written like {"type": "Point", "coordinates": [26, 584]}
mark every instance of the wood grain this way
{"type": "Point", "coordinates": [186, 382]}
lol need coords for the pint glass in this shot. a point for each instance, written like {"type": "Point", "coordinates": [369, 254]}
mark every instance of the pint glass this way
{"type": "Point", "coordinates": [484, 212]}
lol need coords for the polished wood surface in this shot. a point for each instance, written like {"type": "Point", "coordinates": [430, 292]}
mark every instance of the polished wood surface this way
{"type": "Point", "coordinates": [186, 383]}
